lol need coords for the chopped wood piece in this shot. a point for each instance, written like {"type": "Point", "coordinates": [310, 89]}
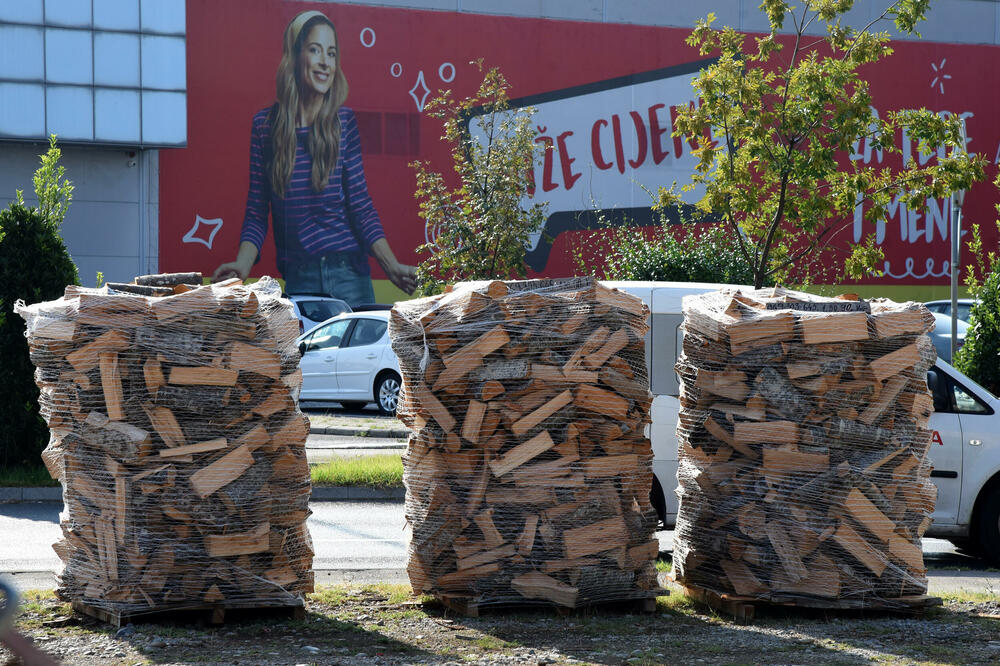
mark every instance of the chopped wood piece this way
{"type": "Point", "coordinates": [536, 585]}
{"type": "Point", "coordinates": [868, 515]}
{"type": "Point", "coordinates": [545, 411]}
{"type": "Point", "coordinates": [885, 398]}
{"type": "Point", "coordinates": [522, 453]}
{"type": "Point", "coordinates": [526, 541]}
{"type": "Point", "coordinates": [87, 357]}
{"type": "Point", "coordinates": [223, 471]}
{"type": "Point", "coordinates": [166, 426]}
{"type": "Point", "coordinates": [833, 327]}
{"type": "Point", "coordinates": [490, 390]}
{"type": "Point", "coordinates": [769, 432]}
{"type": "Point", "coordinates": [243, 356]}
{"type": "Point", "coordinates": [246, 543]}
{"type": "Point", "coordinates": [200, 447]}
{"type": "Point", "coordinates": [853, 543]}
{"type": "Point", "coordinates": [473, 421]}
{"type": "Point", "coordinates": [895, 362]}
{"type": "Point", "coordinates": [594, 538]}
{"type": "Point", "coordinates": [111, 382]}
{"type": "Point", "coordinates": [203, 376]}
{"type": "Point", "coordinates": [600, 401]}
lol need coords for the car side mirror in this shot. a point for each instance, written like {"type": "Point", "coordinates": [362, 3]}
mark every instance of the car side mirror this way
{"type": "Point", "coordinates": [302, 347]}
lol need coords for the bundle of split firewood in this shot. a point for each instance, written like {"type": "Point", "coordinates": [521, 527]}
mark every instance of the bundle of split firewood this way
{"type": "Point", "coordinates": [176, 434]}
{"type": "Point", "coordinates": [528, 471]}
{"type": "Point", "coordinates": [803, 447]}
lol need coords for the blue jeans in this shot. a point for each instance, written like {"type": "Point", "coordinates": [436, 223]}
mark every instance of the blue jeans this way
{"type": "Point", "coordinates": [333, 275]}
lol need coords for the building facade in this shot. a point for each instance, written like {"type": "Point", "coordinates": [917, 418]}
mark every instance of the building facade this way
{"type": "Point", "coordinates": [152, 101]}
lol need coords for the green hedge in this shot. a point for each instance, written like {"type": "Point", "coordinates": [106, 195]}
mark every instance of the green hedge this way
{"type": "Point", "coordinates": [34, 266]}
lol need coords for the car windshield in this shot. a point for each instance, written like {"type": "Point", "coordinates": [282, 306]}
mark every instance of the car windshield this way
{"type": "Point", "coordinates": [321, 310]}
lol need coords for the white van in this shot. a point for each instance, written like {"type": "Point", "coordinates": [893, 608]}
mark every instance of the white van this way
{"type": "Point", "coordinates": [966, 424]}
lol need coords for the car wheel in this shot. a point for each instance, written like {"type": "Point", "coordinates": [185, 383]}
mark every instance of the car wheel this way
{"type": "Point", "coordinates": [353, 405]}
{"type": "Point", "coordinates": [988, 526]}
{"type": "Point", "coordinates": [387, 393]}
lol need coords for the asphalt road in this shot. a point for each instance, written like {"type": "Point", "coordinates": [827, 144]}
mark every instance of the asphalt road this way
{"type": "Point", "coordinates": [366, 542]}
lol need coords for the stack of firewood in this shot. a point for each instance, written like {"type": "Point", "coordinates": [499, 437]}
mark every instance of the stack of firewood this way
{"type": "Point", "coordinates": [803, 447]}
{"type": "Point", "coordinates": [176, 434]}
{"type": "Point", "coordinates": [528, 472]}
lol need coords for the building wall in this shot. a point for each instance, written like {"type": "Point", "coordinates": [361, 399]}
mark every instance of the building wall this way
{"type": "Point", "coordinates": [112, 225]}
{"type": "Point", "coordinates": [955, 21]}
{"type": "Point", "coordinates": [109, 78]}
{"type": "Point", "coordinates": [112, 222]}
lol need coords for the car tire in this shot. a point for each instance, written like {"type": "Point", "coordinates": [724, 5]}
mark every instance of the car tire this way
{"type": "Point", "coordinates": [988, 525]}
{"type": "Point", "coordinates": [659, 503]}
{"type": "Point", "coordinates": [353, 405]}
{"type": "Point", "coordinates": [387, 393]}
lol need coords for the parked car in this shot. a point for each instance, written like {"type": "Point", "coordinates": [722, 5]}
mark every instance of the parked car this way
{"type": "Point", "coordinates": [965, 451]}
{"type": "Point", "coordinates": [944, 307]}
{"type": "Point", "coordinates": [313, 309]}
{"type": "Point", "coordinates": [348, 359]}
{"type": "Point", "coordinates": [941, 335]}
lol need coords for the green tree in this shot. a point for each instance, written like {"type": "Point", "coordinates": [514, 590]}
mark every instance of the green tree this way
{"type": "Point", "coordinates": [775, 127]}
{"type": "Point", "coordinates": [979, 357]}
{"type": "Point", "coordinates": [481, 225]}
{"type": "Point", "coordinates": [35, 267]}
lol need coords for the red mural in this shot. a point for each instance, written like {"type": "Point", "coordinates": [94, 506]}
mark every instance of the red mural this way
{"type": "Point", "coordinates": [605, 95]}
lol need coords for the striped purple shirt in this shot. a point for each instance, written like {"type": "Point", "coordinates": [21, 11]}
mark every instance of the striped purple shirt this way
{"type": "Point", "coordinates": [309, 223]}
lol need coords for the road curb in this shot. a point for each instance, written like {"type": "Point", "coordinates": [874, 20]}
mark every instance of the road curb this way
{"type": "Point", "coordinates": [339, 493]}
{"type": "Point", "coordinates": [354, 432]}
{"type": "Point", "coordinates": [319, 494]}
{"type": "Point", "coordinates": [34, 494]}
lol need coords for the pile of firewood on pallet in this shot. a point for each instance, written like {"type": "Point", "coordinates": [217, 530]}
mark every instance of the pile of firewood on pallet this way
{"type": "Point", "coordinates": [528, 471]}
{"type": "Point", "coordinates": [803, 448]}
{"type": "Point", "coordinates": [178, 441]}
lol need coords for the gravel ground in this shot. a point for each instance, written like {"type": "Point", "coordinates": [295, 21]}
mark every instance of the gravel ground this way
{"type": "Point", "coordinates": [383, 625]}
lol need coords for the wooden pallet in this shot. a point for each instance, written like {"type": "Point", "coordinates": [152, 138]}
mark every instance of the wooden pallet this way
{"type": "Point", "coordinates": [213, 614]}
{"type": "Point", "coordinates": [744, 608]}
{"type": "Point", "coordinates": [470, 607]}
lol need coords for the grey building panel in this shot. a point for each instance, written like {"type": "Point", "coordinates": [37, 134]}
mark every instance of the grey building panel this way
{"type": "Point", "coordinates": [960, 21]}
{"type": "Point", "coordinates": [102, 228]}
{"type": "Point", "coordinates": [676, 14]}
{"type": "Point", "coordinates": [574, 10]}
{"type": "Point", "coordinates": [531, 8]}
{"type": "Point", "coordinates": [112, 221]}
{"type": "Point", "coordinates": [445, 5]}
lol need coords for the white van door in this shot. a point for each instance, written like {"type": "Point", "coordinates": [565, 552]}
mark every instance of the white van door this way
{"type": "Point", "coordinates": [946, 448]}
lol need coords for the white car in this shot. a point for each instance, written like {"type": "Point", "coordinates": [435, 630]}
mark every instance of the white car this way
{"type": "Point", "coordinates": [965, 452]}
{"type": "Point", "coordinates": [348, 359]}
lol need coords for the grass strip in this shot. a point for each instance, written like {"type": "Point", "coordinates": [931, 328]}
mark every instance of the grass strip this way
{"type": "Point", "coordinates": [384, 470]}
{"type": "Point", "coordinates": [25, 477]}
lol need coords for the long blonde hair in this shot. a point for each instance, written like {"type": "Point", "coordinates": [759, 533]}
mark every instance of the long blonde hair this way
{"type": "Point", "coordinates": [324, 135]}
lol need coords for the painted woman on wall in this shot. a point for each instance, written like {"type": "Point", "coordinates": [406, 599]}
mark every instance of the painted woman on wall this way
{"type": "Point", "coordinates": [306, 169]}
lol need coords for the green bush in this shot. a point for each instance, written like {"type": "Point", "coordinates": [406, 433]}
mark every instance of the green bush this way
{"type": "Point", "coordinates": [978, 358]}
{"type": "Point", "coordinates": [34, 266]}
{"type": "Point", "coordinates": [705, 253]}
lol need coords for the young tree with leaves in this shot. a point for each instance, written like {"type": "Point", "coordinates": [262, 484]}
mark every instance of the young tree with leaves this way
{"type": "Point", "coordinates": [775, 127]}
{"type": "Point", "coordinates": [480, 227]}
{"type": "Point", "coordinates": [979, 357]}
